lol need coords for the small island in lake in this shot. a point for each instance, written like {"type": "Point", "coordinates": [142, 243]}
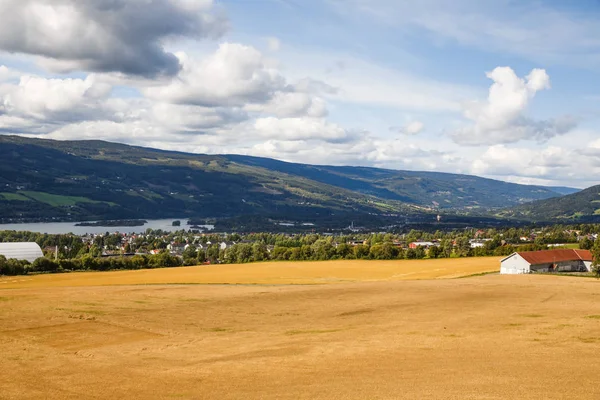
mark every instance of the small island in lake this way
{"type": "Point", "coordinates": [116, 222]}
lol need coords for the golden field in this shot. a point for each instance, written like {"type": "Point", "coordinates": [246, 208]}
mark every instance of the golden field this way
{"type": "Point", "coordinates": [274, 273]}
{"type": "Point", "coordinates": [101, 336]}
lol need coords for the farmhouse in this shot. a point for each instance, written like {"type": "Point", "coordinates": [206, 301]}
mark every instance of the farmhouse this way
{"type": "Point", "coordinates": [29, 251]}
{"type": "Point", "coordinates": [547, 261]}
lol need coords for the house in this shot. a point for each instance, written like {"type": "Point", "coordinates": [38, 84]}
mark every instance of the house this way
{"type": "Point", "coordinates": [226, 245]}
{"type": "Point", "coordinates": [426, 245]}
{"type": "Point", "coordinates": [357, 242]}
{"type": "Point", "coordinates": [567, 260]}
{"type": "Point", "coordinates": [176, 248]}
{"type": "Point", "coordinates": [476, 243]}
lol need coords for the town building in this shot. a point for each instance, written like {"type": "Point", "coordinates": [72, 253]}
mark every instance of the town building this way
{"type": "Point", "coordinates": [426, 245]}
{"type": "Point", "coordinates": [567, 260]}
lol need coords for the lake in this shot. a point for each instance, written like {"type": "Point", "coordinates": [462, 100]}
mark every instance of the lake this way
{"type": "Point", "coordinates": [69, 227]}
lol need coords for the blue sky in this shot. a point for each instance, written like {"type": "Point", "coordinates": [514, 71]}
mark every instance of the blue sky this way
{"type": "Point", "coordinates": [502, 89]}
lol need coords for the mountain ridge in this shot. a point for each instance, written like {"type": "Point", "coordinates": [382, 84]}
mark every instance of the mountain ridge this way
{"type": "Point", "coordinates": [102, 180]}
{"type": "Point", "coordinates": [583, 206]}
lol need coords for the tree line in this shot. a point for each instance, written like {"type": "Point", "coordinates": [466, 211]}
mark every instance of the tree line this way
{"type": "Point", "coordinates": [77, 254]}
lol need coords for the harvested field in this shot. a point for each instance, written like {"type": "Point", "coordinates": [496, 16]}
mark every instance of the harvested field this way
{"type": "Point", "coordinates": [273, 273]}
{"type": "Point", "coordinates": [482, 337]}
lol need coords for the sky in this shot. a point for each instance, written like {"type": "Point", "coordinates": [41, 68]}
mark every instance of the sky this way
{"type": "Point", "coordinates": [503, 89]}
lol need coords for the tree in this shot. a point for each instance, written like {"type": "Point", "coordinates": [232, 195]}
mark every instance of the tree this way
{"type": "Point", "coordinates": [190, 255]}
{"type": "Point", "coordinates": [43, 264]}
{"type": "Point", "coordinates": [361, 252]}
{"type": "Point", "coordinates": [434, 252]}
{"type": "Point", "coordinates": [244, 253]}
{"type": "Point", "coordinates": [201, 257]}
{"type": "Point", "coordinates": [596, 259]}
{"type": "Point", "coordinates": [463, 247]}
{"type": "Point", "coordinates": [343, 250]}
{"type": "Point", "coordinates": [213, 253]}
{"type": "Point", "coordinates": [586, 243]}
{"type": "Point", "coordinates": [259, 252]}
{"type": "Point", "coordinates": [322, 249]}
{"type": "Point", "coordinates": [446, 248]}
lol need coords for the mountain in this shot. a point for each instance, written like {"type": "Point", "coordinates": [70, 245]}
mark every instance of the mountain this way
{"type": "Point", "coordinates": [563, 189]}
{"type": "Point", "coordinates": [45, 179]}
{"type": "Point", "coordinates": [583, 206]}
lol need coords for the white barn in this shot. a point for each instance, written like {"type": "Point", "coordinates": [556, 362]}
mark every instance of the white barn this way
{"type": "Point", "coordinates": [547, 261]}
{"type": "Point", "coordinates": [29, 251]}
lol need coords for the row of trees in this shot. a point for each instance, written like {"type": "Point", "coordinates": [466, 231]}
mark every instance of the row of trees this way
{"type": "Point", "coordinates": [75, 254]}
{"type": "Point", "coordinates": [87, 263]}
{"type": "Point", "coordinates": [324, 250]}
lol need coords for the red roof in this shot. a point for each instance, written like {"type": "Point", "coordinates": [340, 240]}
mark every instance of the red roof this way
{"type": "Point", "coordinates": [552, 256]}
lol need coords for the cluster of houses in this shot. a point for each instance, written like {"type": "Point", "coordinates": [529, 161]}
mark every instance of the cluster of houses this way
{"type": "Point", "coordinates": [555, 260]}
{"type": "Point", "coordinates": [173, 246]}
{"type": "Point", "coordinates": [474, 243]}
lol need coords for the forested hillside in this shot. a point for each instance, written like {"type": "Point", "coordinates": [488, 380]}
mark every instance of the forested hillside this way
{"type": "Point", "coordinates": [580, 206]}
{"type": "Point", "coordinates": [43, 179]}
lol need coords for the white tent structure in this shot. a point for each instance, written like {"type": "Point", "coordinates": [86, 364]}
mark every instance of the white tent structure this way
{"type": "Point", "coordinates": [29, 251]}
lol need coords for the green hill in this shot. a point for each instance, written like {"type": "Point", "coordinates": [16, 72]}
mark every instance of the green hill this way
{"type": "Point", "coordinates": [583, 206]}
{"type": "Point", "coordinates": [44, 179]}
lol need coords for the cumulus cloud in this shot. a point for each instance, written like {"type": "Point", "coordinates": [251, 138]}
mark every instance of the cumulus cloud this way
{"type": "Point", "coordinates": [233, 76]}
{"type": "Point", "coordinates": [55, 100]}
{"type": "Point", "coordinates": [292, 104]}
{"type": "Point", "coordinates": [240, 76]}
{"type": "Point", "coordinates": [412, 128]}
{"type": "Point", "coordinates": [123, 36]}
{"type": "Point", "coordinates": [301, 129]}
{"type": "Point", "coordinates": [5, 73]}
{"type": "Point", "coordinates": [363, 150]}
{"type": "Point", "coordinates": [501, 118]}
{"type": "Point", "coordinates": [195, 119]}
{"type": "Point", "coordinates": [232, 94]}
{"type": "Point", "coordinates": [551, 162]}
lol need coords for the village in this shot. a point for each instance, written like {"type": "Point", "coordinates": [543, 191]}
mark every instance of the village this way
{"type": "Point", "coordinates": [413, 244]}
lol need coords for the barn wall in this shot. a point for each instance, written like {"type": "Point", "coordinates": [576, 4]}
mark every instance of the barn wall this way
{"type": "Point", "coordinates": [563, 266]}
{"type": "Point", "coordinates": [514, 264]}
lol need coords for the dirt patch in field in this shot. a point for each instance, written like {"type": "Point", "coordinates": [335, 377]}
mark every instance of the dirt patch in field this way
{"type": "Point", "coordinates": [79, 335]}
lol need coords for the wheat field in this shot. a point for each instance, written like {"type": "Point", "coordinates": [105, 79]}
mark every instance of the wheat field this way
{"type": "Point", "coordinates": [275, 273]}
{"type": "Point", "coordinates": [379, 336]}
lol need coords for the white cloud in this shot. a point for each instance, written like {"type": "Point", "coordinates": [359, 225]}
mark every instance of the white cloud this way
{"type": "Point", "coordinates": [412, 128]}
{"type": "Point", "coordinates": [364, 150]}
{"type": "Point", "coordinates": [301, 129]}
{"type": "Point", "coordinates": [292, 104]}
{"type": "Point", "coordinates": [55, 100]}
{"type": "Point", "coordinates": [5, 73]}
{"type": "Point", "coordinates": [550, 165]}
{"type": "Point", "coordinates": [240, 76]}
{"type": "Point", "coordinates": [233, 76]}
{"type": "Point", "coordinates": [195, 119]}
{"type": "Point", "coordinates": [501, 119]}
{"type": "Point", "coordinates": [105, 36]}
